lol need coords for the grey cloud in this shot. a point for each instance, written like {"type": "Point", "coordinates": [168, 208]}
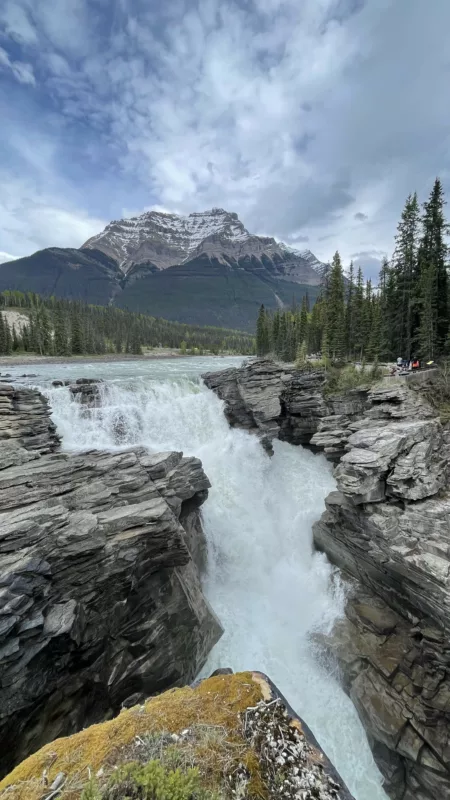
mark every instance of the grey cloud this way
{"type": "Point", "coordinates": [370, 263]}
{"type": "Point", "coordinates": [22, 72]}
{"type": "Point", "coordinates": [207, 105]}
{"type": "Point", "coordinates": [299, 239]}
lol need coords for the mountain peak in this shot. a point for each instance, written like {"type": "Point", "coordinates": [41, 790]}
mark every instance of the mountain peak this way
{"type": "Point", "coordinates": [166, 239]}
{"type": "Point", "coordinates": [160, 239]}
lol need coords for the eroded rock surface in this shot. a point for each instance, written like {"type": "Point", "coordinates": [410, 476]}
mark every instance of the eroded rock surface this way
{"type": "Point", "coordinates": [388, 526]}
{"type": "Point", "coordinates": [100, 600]}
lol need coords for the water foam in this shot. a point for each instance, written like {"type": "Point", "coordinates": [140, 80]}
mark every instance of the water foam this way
{"type": "Point", "coordinates": [265, 582]}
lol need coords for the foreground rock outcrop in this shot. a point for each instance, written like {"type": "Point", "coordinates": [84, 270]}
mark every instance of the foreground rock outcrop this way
{"type": "Point", "coordinates": [231, 736]}
{"type": "Point", "coordinates": [100, 599]}
{"type": "Point", "coordinates": [387, 526]}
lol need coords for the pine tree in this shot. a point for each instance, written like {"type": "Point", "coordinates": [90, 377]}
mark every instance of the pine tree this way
{"type": "Point", "coordinates": [336, 310]}
{"type": "Point", "coordinates": [275, 332]}
{"type": "Point", "coordinates": [2, 334]}
{"type": "Point", "coordinates": [34, 335]}
{"type": "Point", "coordinates": [62, 347]}
{"type": "Point", "coordinates": [349, 310]}
{"type": "Point", "coordinates": [404, 265]}
{"type": "Point", "coordinates": [8, 339]}
{"type": "Point", "coordinates": [301, 355]}
{"type": "Point", "coordinates": [387, 310]}
{"type": "Point", "coordinates": [282, 337]}
{"type": "Point", "coordinates": [366, 318]}
{"type": "Point", "coordinates": [358, 311]}
{"type": "Point", "coordinates": [43, 322]}
{"type": "Point", "coordinates": [374, 343]}
{"type": "Point", "coordinates": [432, 274]}
{"type": "Point", "coordinates": [303, 321]}
{"type": "Point", "coordinates": [427, 334]}
{"type": "Point", "coordinates": [78, 347]}
{"type": "Point", "coordinates": [135, 342]}
{"type": "Point", "coordinates": [262, 333]}
{"type": "Point", "coordinates": [16, 343]}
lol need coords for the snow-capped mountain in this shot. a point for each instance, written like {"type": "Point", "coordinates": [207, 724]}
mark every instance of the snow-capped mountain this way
{"type": "Point", "coordinates": [159, 240]}
{"type": "Point", "coordinates": [205, 268]}
{"type": "Point", "coordinates": [318, 266]}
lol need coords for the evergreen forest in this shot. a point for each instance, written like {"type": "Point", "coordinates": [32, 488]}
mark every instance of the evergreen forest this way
{"type": "Point", "coordinates": [406, 314]}
{"type": "Point", "coordinates": [55, 327]}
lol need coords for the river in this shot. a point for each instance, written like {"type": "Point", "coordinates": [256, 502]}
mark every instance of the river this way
{"type": "Point", "coordinates": [269, 588]}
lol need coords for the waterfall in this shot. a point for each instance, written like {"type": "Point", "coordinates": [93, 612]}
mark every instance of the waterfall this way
{"type": "Point", "coordinates": [269, 588]}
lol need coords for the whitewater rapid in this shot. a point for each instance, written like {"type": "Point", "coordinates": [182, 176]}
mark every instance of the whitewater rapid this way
{"type": "Point", "coordinates": [270, 590]}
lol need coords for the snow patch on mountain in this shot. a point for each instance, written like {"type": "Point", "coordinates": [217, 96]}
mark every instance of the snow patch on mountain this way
{"type": "Point", "coordinates": [165, 240]}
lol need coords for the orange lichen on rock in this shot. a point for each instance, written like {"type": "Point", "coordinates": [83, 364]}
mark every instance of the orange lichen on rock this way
{"type": "Point", "coordinates": [217, 701]}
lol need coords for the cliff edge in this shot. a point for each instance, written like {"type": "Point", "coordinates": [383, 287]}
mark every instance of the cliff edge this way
{"type": "Point", "coordinates": [100, 599]}
{"type": "Point", "coordinates": [387, 527]}
{"type": "Point", "coordinates": [228, 737]}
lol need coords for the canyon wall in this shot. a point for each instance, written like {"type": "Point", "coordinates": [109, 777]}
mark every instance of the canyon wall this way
{"type": "Point", "coordinates": [101, 603]}
{"type": "Point", "coordinates": [388, 528]}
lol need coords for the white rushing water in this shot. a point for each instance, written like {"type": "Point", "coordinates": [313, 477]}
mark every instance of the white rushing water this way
{"type": "Point", "coordinates": [268, 587]}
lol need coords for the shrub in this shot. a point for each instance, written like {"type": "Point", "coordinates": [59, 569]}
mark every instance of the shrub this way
{"type": "Point", "coordinates": [151, 781]}
{"type": "Point", "coordinates": [437, 391]}
{"type": "Point", "coordinates": [349, 377]}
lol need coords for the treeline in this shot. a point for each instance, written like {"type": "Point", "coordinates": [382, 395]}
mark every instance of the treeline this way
{"type": "Point", "coordinates": [66, 327]}
{"type": "Point", "coordinates": [406, 314]}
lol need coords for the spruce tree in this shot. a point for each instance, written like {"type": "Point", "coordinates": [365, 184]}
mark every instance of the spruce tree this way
{"type": "Point", "coordinates": [282, 337]}
{"type": "Point", "coordinates": [349, 311]}
{"type": "Point", "coordinates": [374, 343]}
{"type": "Point", "coordinates": [358, 313]}
{"type": "Point", "coordinates": [427, 334]}
{"type": "Point", "coordinates": [78, 347]}
{"type": "Point", "coordinates": [387, 310]}
{"type": "Point", "coordinates": [262, 333]}
{"type": "Point", "coordinates": [336, 310]}
{"type": "Point", "coordinates": [366, 318]}
{"type": "Point", "coordinates": [8, 339]}
{"type": "Point", "coordinates": [2, 334]}
{"type": "Point", "coordinates": [432, 271]}
{"type": "Point", "coordinates": [303, 321]}
{"type": "Point", "coordinates": [404, 265]}
{"type": "Point", "coordinates": [46, 331]}
{"type": "Point", "coordinates": [16, 343]}
{"type": "Point", "coordinates": [61, 337]}
{"type": "Point", "coordinates": [275, 332]}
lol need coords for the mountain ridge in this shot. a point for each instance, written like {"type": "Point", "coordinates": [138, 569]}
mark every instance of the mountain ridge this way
{"type": "Point", "coordinates": [167, 240]}
{"type": "Point", "coordinates": [204, 268]}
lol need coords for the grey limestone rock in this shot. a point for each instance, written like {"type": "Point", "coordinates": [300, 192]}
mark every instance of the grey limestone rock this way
{"type": "Point", "coordinates": [100, 599]}
{"type": "Point", "coordinates": [387, 526]}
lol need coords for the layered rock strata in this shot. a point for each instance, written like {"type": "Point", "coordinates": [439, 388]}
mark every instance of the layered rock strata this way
{"type": "Point", "coordinates": [100, 600]}
{"type": "Point", "coordinates": [388, 526]}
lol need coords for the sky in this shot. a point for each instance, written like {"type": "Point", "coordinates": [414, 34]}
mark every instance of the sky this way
{"type": "Point", "coordinates": [312, 120]}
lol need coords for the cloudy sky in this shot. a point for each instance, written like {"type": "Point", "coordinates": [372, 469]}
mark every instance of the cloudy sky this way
{"type": "Point", "coordinates": [313, 119]}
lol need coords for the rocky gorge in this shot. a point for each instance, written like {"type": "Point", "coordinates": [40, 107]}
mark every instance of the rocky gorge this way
{"type": "Point", "coordinates": [387, 528]}
{"type": "Point", "coordinates": [100, 556]}
{"type": "Point", "coordinates": [101, 553]}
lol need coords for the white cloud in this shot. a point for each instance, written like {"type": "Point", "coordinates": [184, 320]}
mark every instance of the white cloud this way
{"type": "Point", "coordinates": [22, 71]}
{"type": "Point", "coordinates": [6, 257]}
{"type": "Point", "coordinates": [298, 116]}
{"type": "Point", "coordinates": [32, 220]}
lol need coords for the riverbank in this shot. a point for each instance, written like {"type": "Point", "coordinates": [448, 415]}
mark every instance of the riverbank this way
{"type": "Point", "coordinates": [161, 353]}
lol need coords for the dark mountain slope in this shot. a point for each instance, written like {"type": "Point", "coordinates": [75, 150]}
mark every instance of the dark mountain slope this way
{"type": "Point", "coordinates": [88, 275]}
{"type": "Point", "coordinates": [209, 292]}
{"type": "Point", "coordinates": [204, 268]}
